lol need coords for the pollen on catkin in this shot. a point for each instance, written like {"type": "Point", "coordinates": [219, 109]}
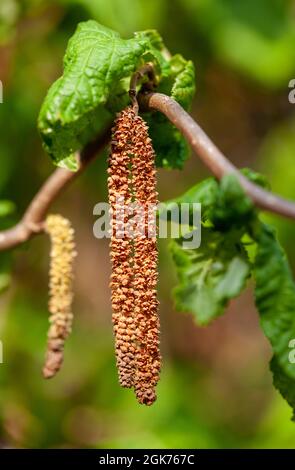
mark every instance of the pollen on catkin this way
{"type": "Point", "coordinates": [62, 256]}
{"type": "Point", "coordinates": [121, 249]}
{"type": "Point", "coordinates": [132, 176]}
{"type": "Point", "coordinates": [148, 359]}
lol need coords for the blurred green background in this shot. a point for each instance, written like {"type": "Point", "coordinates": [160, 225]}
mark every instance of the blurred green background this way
{"type": "Point", "coordinates": [215, 389]}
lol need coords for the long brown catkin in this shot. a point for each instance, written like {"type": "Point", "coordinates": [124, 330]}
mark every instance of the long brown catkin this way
{"type": "Point", "coordinates": [121, 249]}
{"type": "Point", "coordinates": [148, 360]}
{"type": "Point", "coordinates": [62, 256]}
{"type": "Point", "coordinates": [134, 262]}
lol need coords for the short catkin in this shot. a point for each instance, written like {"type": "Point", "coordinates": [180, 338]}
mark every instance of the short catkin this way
{"type": "Point", "coordinates": [62, 256]}
{"type": "Point", "coordinates": [132, 177]}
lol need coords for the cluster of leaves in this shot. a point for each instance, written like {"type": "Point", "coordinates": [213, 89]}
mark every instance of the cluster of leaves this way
{"type": "Point", "coordinates": [235, 246]}
{"type": "Point", "coordinates": [98, 65]}
{"type": "Point", "coordinates": [45, 416]}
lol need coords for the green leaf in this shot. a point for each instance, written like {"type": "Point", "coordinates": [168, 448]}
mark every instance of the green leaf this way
{"type": "Point", "coordinates": [73, 111]}
{"type": "Point", "coordinates": [211, 275]}
{"type": "Point", "coordinates": [178, 80]}
{"type": "Point", "coordinates": [217, 271]}
{"type": "Point", "coordinates": [204, 193]}
{"type": "Point", "coordinates": [171, 148]}
{"type": "Point", "coordinates": [224, 204]}
{"type": "Point", "coordinates": [98, 65]}
{"type": "Point", "coordinates": [275, 296]}
{"type": "Point", "coordinates": [183, 88]}
{"type": "Point", "coordinates": [232, 208]}
{"type": "Point", "coordinates": [256, 178]}
{"type": "Point", "coordinates": [283, 383]}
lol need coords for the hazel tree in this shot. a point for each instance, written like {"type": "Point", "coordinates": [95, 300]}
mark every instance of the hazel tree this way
{"type": "Point", "coordinates": [134, 94]}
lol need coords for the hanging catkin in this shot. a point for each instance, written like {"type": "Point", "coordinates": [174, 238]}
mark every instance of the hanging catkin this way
{"type": "Point", "coordinates": [148, 360]}
{"type": "Point", "coordinates": [62, 255]}
{"type": "Point", "coordinates": [121, 249]}
{"type": "Point", "coordinates": [132, 175]}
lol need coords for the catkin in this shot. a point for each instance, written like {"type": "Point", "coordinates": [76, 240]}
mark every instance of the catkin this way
{"type": "Point", "coordinates": [121, 249]}
{"type": "Point", "coordinates": [148, 360]}
{"type": "Point", "coordinates": [62, 255]}
{"type": "Point", "coordinates": [132, 175]}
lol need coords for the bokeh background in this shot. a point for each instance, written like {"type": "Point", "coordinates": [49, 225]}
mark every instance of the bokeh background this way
{"type": "Point", "coordinates": [216, 389]}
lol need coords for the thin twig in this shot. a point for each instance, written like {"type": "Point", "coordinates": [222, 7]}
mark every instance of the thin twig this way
{"type": "Point", "coordinates": [211, 156]}
{"type": "Point", "coordinates": [32, 220]}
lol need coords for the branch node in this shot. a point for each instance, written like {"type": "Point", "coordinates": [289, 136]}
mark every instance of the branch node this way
{"type": "Point", "coordinates": [147, 70]}
{"type": "Point", "coordinates": [34, 227]}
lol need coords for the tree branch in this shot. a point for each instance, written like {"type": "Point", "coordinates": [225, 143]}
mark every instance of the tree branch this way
{"type": "Point", "coordinates": [32, 221]}
{"type": "Point", "coordinates": [211, 156]}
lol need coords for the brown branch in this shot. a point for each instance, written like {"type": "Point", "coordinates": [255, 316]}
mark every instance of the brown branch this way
{"type": "Point", "coordinates": [211, 156]}
{"type": "Point", "coordinates": [32, 221]}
